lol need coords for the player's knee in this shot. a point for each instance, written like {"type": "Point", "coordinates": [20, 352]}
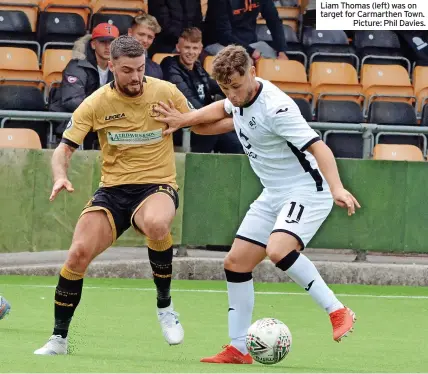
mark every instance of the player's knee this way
{"type": "Point", "coordinates": [276, 254]}
{"type": "Point", "coordinates": [232, 262]}
{"type": "Point", "coordinates": [79, 256]}
{"type": "Point", "coordinates": [155, 228]}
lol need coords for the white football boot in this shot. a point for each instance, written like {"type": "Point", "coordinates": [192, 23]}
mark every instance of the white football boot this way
{"type": "Point", "coordinates": [171, 327]}
{"type": "Point", "coordinates": [56, 345]}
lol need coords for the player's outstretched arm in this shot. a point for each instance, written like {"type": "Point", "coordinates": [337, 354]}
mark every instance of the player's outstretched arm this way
{"type": "Point", "coordinates": [60, 163]}
{"type": "Point", "coordinates": [328, 166]}
{"type": "Point", "coordinates": [175, 120]}
{"type": "Point", "coordinates": [220, 127]}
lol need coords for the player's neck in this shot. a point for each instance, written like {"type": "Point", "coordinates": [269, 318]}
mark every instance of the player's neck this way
{"type": "Point", "coordinates": [255, 90]}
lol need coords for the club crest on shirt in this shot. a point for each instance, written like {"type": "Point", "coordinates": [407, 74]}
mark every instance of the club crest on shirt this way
{"type": "Point", "coordinates": [252, 124]}
{"type": "Point", "coordinates": [152, 112]}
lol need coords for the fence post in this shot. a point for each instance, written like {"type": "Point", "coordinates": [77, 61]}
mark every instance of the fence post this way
{"type": "Point", "coordinates": [367, 142]}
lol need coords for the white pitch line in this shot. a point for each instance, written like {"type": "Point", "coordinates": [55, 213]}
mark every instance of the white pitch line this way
{"type": "Point", "coordinates": [224, 291]}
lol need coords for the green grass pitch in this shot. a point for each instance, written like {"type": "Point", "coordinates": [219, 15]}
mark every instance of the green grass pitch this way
{"type": "Point", "coordinates": [115, 328]}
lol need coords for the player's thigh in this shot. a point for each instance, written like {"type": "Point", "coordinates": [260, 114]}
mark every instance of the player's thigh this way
{"type": "Point", "coordinates": [93, 235]}
{"type": "Point", "coordinates": [154, 215]}
{"type": "Point", "coordinates": [249, 247]}
{"type": "Point", "coordinates": [298, 221]}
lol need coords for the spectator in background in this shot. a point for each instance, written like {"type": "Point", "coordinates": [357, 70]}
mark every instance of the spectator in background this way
{"type": "Point", "coordinates": [187, 73]}
{"type": "Point", "coordinates": [173, 16]}
{"type": "Point", "coordinates": [85, 73]}
{"type": "Point", "coordinates": [144, 28]}
{"type": "Point", "coordinates": [234, 22]}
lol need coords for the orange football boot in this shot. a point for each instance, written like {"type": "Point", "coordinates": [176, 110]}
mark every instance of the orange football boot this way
{"type": "Point", "coordinates": [342, 321]}
{"type": "Point", "coordinates": [229, 355]}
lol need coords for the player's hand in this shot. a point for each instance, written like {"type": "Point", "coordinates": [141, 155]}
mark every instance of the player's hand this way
{"type": "Point", "coordinates": [59, 185]}
{"type": "Point", "coordinates": [344, 199]}
{"type": "Point", "coordinates": [171, 116]}
{"type": "Point", "coordinates": [282, 56]}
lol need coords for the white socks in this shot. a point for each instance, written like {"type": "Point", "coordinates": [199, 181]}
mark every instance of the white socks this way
{"type": "Point", "coordinates": [302, 271]}
{"type": "Point", "coordinates": [241, 304]}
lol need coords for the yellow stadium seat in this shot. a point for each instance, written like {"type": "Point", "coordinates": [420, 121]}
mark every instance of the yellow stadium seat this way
{"type": "Point", "coordinates": [29, 7]}
{"type": "Point", "coordinates": [397, 152]}
{"type": "Point", "coordinates": [19, 138]}
{"type": "Point", "coordinates": [158, 57]}
{"type": "Point", "coordinates": [129, 7]}
{"type": "Point", "coordinates": [208, 64]}
{"type": "Point", "coordinates": [335, 78]}
{"type": "Point", "coordinates": [80, 7]}
{"type": "Point", "coordinates": [20, 66]}
{"type": "Point", "coordinates": [288, 75]}
{"type": "Point", "coordinates": [420, 86]}
{"type": "Point", "coordinates": [390, 80]}
{"type": "Point", "coordinates": [54, 62]}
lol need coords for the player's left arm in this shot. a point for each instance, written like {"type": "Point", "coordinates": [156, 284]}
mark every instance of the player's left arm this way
{"type": "Point", "coordinates": [328, 167]}
{"type": "Point", "coordinates": [289, 123]}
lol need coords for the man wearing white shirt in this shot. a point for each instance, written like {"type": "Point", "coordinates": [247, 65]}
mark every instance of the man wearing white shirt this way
{"type": "Point", "coordinates": [301, 182]}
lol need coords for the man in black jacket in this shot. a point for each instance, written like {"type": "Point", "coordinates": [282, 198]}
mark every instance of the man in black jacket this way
{"type": "Point", "coordinates": [85, 73]}
{"type": "Point", "coordinates": [234, 22]}
{"type": "Point", "coordinates": [173, 16]}
{"type": "Point", "coordinates": [144, 28]}
{"type": "Point", "coordinates": [186, 72]}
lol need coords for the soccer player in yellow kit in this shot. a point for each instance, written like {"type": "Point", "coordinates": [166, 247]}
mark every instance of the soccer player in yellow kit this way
{"type": "Point", "coordinates": [138, 184]}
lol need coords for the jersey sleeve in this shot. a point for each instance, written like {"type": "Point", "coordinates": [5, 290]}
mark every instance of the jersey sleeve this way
{"type": "Point", "coordinates": [228, 107]}
{"type": "Point", "coordinates": [80, 124]}
{"type": "Point", "coordinates": [289, 123]}
{"type": "Point", "coordinates": [180, 101]}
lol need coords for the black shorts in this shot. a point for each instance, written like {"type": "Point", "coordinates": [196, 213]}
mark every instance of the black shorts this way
{"type": "Point", "coordinates": [121, 202]}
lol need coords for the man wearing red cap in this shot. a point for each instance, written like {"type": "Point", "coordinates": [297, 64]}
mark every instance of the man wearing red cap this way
{"type": "Point", "coordinates": [85, 73]}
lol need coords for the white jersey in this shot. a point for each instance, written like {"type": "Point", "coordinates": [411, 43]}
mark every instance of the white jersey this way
{"type": "Point", "coordinates": [275, 137]}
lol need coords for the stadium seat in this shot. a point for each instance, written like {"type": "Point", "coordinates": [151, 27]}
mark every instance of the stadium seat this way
{"type": "Point", "coordinates": [294, 24]}
{"type": "Point", "coordinates": [19, 138]}
{"type": "Point", "coordinates": [420, 86]}
{"type": "Point", "coordinates": [118, 13]}
{"type": "Point", "coordinates": [335, 81]}
{"type": "Point", "coordinates": [19, 19]}
{"type": "Point", "coordinates": [379, 47]}
{"type": "Point", "coordinates": [289, 76]}
{"type": "Point", "coordinates": [397, 152]}
{"type": "Point", "coordinates": [158, 57]}
{"type": "Point", "coordinates": [208, 64]}
{"type": "Point", "coordinates": [386, 83]}
{"type": "Point", "coordinates": [395, 113]}
{"type": "Point", "coordinates": [328, 45]}
{"type": "Point", "coordinates": [60, 28]}
{"type": "Point", "coordinates": [344, 144]}
{"type": "Point", "coordinates": [80, 7]}
{"type": "Point", "coordinates": [294, 47]}
{"type": "Point", "coordinates": [54, 62]}
{"type": "Point", "coordinates": [305, 108]}
{"type": "Point", "coordinates": [19, 66]}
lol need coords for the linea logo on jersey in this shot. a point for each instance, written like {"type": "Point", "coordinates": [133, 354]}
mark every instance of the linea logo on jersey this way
{"type": "Point", "coordinates": [114, 117]}
{"type": "Point", "coordinates": [134, 138]}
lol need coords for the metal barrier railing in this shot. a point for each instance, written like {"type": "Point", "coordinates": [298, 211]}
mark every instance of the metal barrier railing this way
{"type": "Point", "coordinates": [367, 130]}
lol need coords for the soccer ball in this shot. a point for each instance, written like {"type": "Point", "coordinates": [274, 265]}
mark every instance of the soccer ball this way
{"type": "Point", "coordinates": [4, 307]}
{"type": "Point", "coordinates": [268, 341]}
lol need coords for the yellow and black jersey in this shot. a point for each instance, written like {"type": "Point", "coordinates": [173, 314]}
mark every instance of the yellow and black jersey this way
{"type": "Point", "coordinates": [134, 151]}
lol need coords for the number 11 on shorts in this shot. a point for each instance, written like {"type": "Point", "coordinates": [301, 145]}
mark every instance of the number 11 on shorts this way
{"type": "Point", "coordinates": [291, 216]}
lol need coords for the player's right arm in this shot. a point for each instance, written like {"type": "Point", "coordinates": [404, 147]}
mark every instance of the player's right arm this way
{"type": "Point", "coordinates": [78, 127]}
{"type": "Point", "coordinates": [207, 115]}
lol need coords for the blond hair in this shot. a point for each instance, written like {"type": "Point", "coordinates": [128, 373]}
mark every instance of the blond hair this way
{"type": "Point", "coordinates": [192, 35]}
{"type": "Point", "coordinates": [148, 21]}
{"type": "Point", "coordinates": [230, 60]}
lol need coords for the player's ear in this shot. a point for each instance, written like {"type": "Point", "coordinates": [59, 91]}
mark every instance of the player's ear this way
{"type": "Point", "coordinates": [253, 71]}
{"type": "Point", "coordinates": [110, 66]}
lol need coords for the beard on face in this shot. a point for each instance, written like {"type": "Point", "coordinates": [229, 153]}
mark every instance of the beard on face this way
{"type": "Point", "coordinates": [132, 92]}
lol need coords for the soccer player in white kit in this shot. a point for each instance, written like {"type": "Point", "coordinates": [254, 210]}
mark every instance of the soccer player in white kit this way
{"type": "Point", "coordinates": [300, 179]}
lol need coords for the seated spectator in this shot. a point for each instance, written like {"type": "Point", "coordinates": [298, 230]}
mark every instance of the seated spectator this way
{"type": "Point", "coordinates": [85, 73]}
{"type": "Point", "coordinates": [234, 22]}
{"type": "Point", "coordinates": [173, 16]}
{"type": "Point", "coordinates": [187, 73]}
{"type": "Point", "coordinates": [144, 28]}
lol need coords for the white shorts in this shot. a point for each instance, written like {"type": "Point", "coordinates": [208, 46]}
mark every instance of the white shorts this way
{"type": "Point", "coordinates": [300, 215]}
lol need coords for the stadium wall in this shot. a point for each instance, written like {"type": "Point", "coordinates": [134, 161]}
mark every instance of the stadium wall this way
{"type": "Point", "coordinates": [215, 192]}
